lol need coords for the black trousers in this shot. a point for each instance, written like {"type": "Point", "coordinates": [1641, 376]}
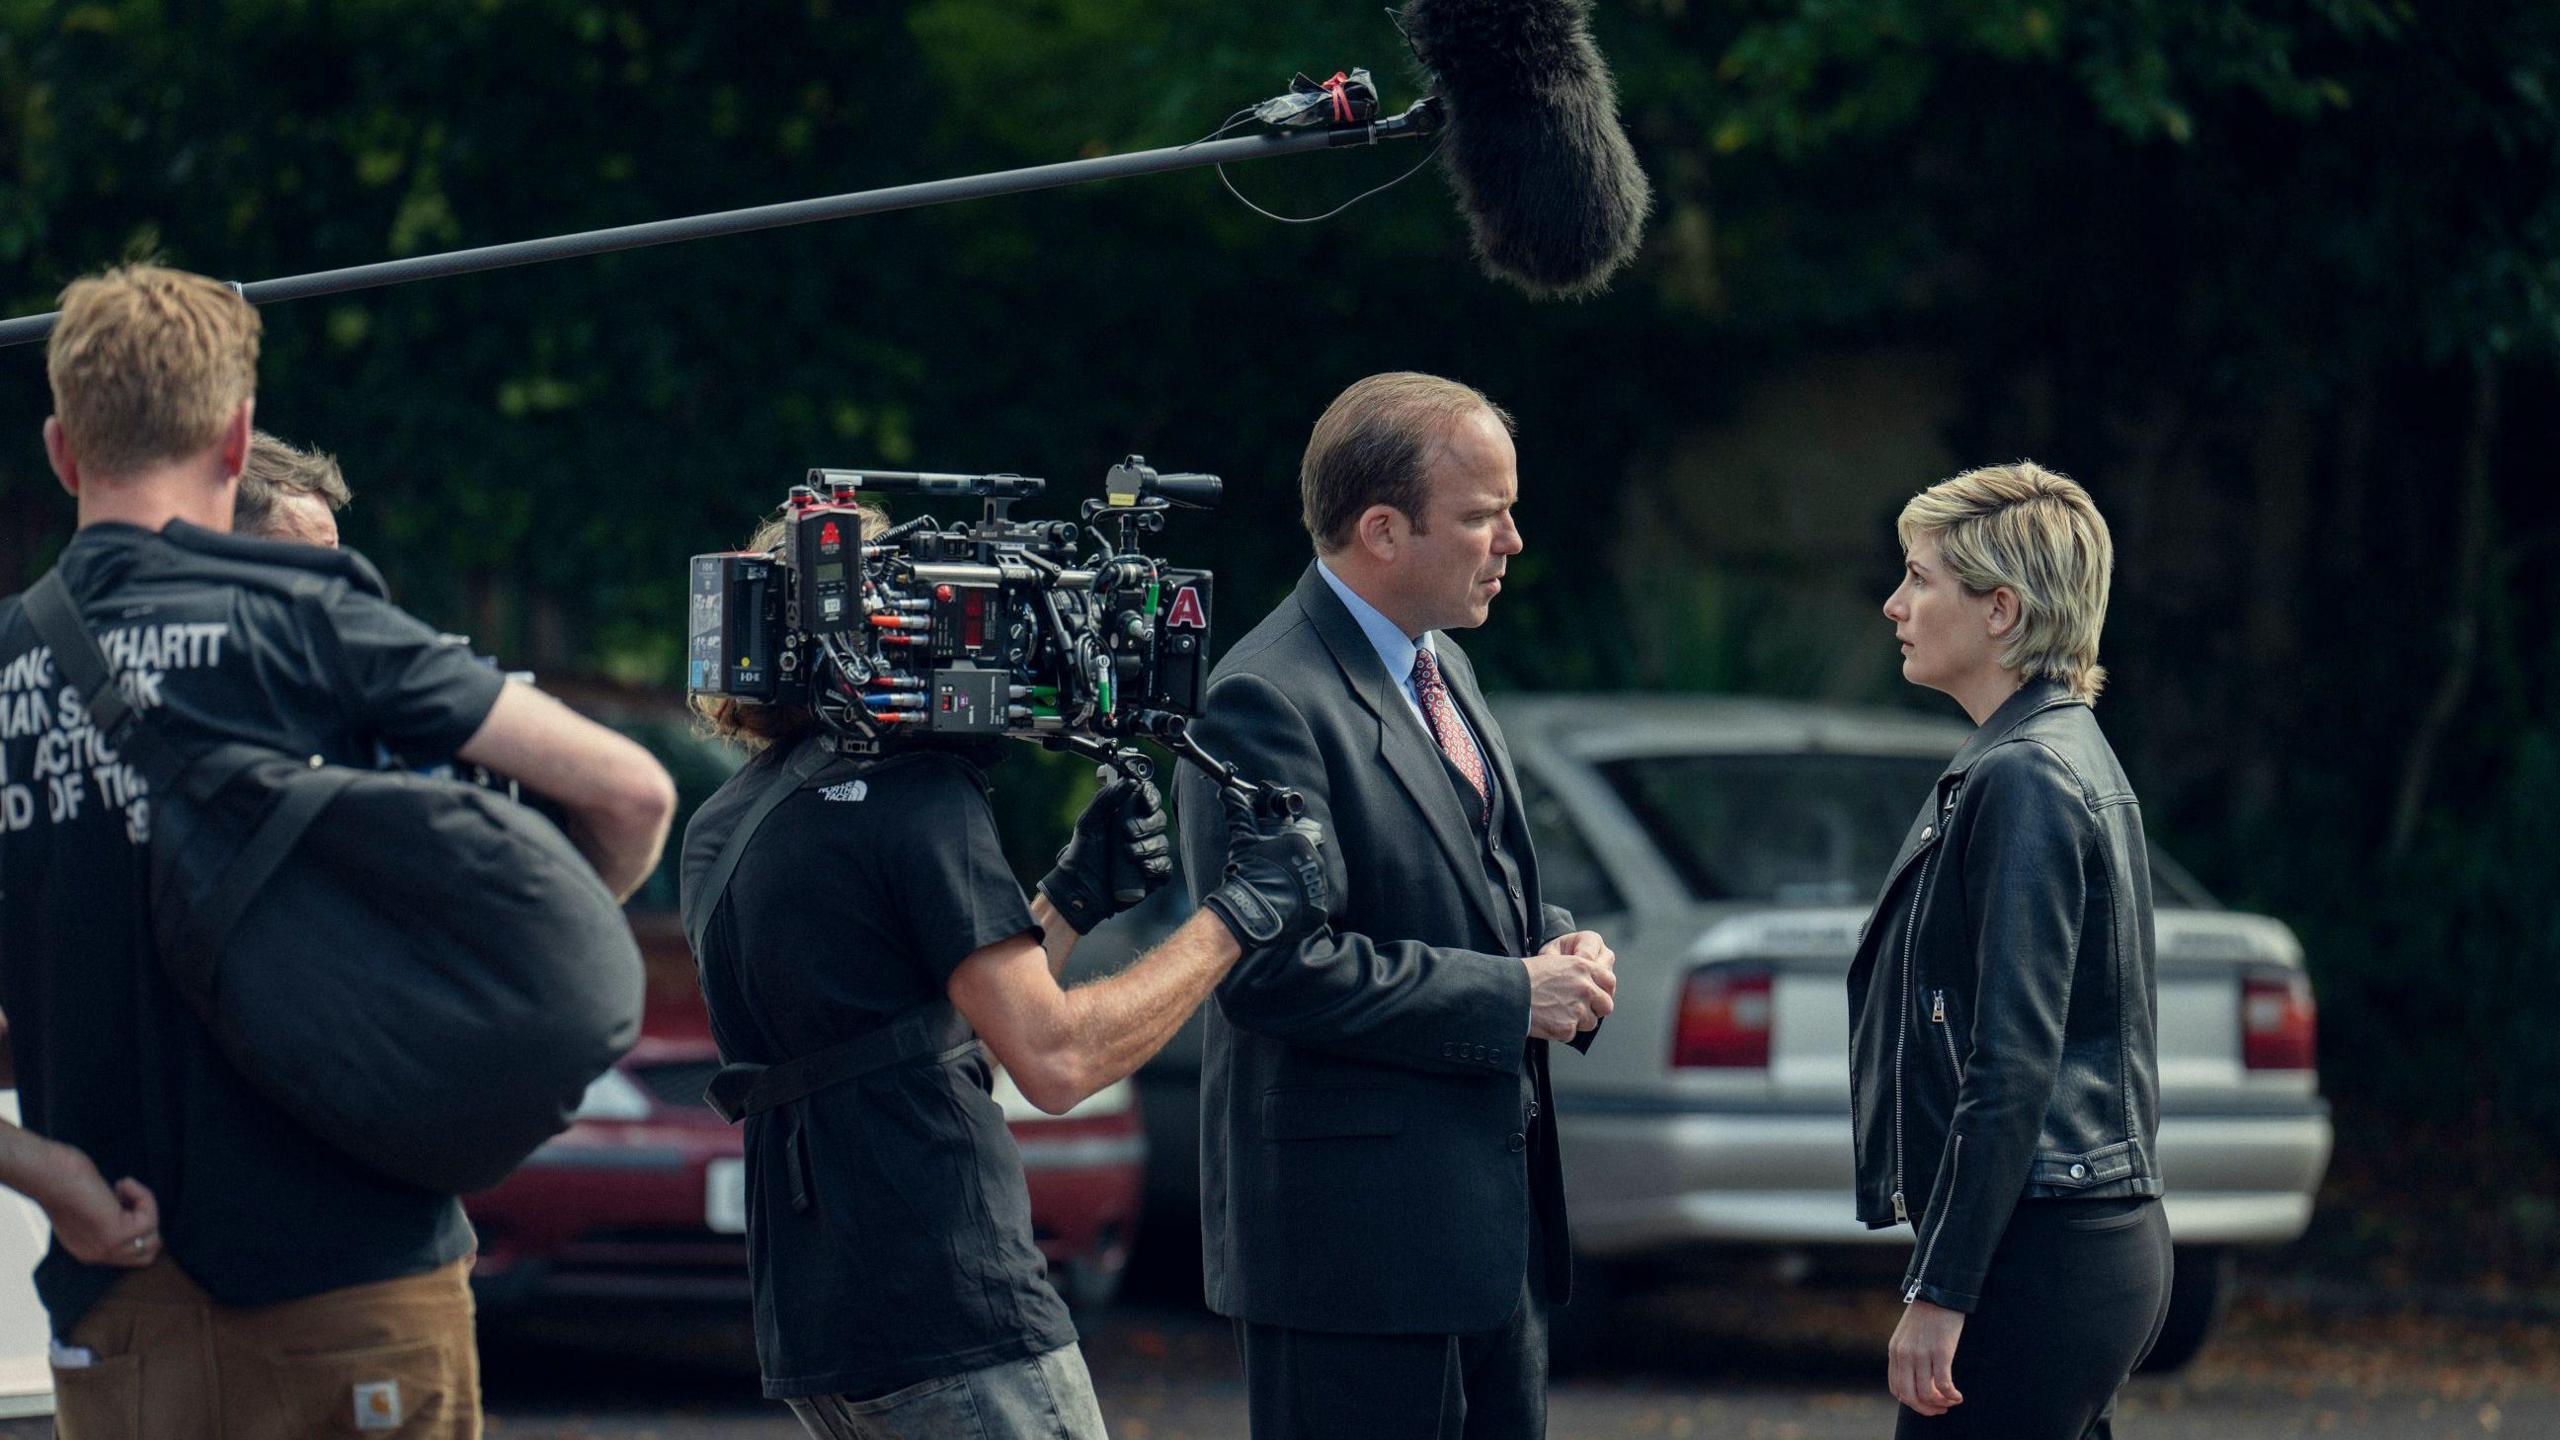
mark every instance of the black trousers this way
{"type": "Point", "coordinates": [1490, 1385]}
{"type": "Point", "coordinates": [2075, 1297]}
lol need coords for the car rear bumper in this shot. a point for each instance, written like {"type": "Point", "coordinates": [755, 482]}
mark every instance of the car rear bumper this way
{"type": "Point", "coordinates": [1648, 1177]}
{"type": "Point", "coordinates": [1086, 1179]}
{"type": "Point", "coordinates": [587, 1217]}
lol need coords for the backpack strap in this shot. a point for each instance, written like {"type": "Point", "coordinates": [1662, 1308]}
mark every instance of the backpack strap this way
{"type": "Point", "coordinates": [76, 656]}
{"type": "Point", "coordinates": [56, 618]}
{"type": "Point", "coordinates": [297, 805]}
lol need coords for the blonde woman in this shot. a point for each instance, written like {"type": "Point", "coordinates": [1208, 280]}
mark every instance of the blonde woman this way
{"type": "Point", "coordinates": [2003, 1079]}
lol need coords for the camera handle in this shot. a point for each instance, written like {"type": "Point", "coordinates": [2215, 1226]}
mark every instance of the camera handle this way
{"type": "Point", "coordinates": [1270, 802]}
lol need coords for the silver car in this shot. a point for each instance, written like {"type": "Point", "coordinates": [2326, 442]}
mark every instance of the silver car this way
{"type": "Point", "coordinates": [1729, 850]}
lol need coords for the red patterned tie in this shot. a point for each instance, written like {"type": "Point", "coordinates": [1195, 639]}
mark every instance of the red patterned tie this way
{"type": "Point", "coordinates": [1433, 692]}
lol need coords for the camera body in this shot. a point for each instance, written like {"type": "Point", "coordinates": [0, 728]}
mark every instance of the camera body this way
{"type": "Point", "coordinates": [1052, 630]}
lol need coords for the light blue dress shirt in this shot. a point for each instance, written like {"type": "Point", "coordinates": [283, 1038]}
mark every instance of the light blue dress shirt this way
{"type": "Point", "coordinates": [1396, 651]}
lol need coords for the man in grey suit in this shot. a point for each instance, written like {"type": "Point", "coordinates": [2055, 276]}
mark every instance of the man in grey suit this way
{"type": "Point", "coordinates": [1382, 1205]}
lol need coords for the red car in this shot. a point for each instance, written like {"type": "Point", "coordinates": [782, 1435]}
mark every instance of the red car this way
{"type": "Point", "coordinates": [644, 1197]}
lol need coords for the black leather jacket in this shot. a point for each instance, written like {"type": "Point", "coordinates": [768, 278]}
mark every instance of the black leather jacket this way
{"type": "Point", "coordinates": [2003, 1000]}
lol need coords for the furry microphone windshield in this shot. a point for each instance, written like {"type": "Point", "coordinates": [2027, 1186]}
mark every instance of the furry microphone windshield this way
{"type": "Point", "coordinates": [1549, 185]}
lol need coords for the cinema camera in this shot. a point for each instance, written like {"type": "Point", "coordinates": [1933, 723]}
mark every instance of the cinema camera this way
{"type": "Point", "coordinates": [991, 628]}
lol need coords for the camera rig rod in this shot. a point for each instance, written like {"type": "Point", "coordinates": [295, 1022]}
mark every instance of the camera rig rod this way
{"type": "Point", "coordinates": [1271, 802]}
{"type": "Point", "coordinates": [1421, 119]}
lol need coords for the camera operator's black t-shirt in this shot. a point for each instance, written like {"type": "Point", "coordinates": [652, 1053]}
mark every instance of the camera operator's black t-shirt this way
{"type": "Point", "coordinates": [109, 1059]}
{"type": "Point", "coordinates": [856, 900]}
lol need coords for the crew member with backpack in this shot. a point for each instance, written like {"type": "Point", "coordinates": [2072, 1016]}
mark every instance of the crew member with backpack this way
{"type": "Point", "coordinates": [262, 1278]}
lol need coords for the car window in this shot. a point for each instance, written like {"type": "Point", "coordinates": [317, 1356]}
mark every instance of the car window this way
{"type": "Point", "coordinates": [1790, 829]}
{"type": "Point", "coordinates": [1568, 873]}
{"type": "Point", "coordinates": [2173, 888]}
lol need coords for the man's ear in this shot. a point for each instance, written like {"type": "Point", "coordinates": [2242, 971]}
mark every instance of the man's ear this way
{"type": "Point", "coordinates": [57, 452]}
{"type": "Point", "coordinates": [235, 439]}
{"type": "Point", "coordinates": [1380, 530]}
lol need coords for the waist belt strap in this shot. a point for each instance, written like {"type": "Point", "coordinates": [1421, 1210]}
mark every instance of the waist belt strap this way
{"type": "Point", "coordinates": [935, 1029]}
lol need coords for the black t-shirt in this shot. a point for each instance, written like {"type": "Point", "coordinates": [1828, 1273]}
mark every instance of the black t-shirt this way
{"type": "Point", "coordinates": [109, 1058]}
{"type": "Point", "coordinates": [911, 1256]}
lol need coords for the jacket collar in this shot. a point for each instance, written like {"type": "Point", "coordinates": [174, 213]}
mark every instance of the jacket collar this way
{"type": "Point", "coordinates": [335, 562]}
{"type": "Point", "coordinates": [2033, 698]}
{"type": "Point", "coordinates": [1408, 751]}
{"type": "Point", "coordinates": [1928, 827]}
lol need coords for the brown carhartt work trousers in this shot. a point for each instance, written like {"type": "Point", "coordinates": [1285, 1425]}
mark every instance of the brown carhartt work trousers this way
{"type": "Point", "coordinates": [393, 1359]}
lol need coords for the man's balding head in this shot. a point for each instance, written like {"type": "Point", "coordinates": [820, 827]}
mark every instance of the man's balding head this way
{"type": "Point", "coordinates": [287, 493]}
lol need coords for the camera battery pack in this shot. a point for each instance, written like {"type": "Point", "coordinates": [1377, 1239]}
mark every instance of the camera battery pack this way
{"type": "Point", "coordinates": [729, 626]}
{"type": "Point", "coordinates": [823, 548]}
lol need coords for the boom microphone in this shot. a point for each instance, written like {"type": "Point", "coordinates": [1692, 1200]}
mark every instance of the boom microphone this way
{"type": "Point", "coordinates": [1545, 176]}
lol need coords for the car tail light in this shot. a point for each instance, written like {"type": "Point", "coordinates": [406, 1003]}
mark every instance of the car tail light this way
{"type": "Point", "coordinates": [1724, 1019]}
{"type": "Point", "coordinates": [2279, 1023]}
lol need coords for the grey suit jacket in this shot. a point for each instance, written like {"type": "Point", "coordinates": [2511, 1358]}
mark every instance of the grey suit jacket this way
{"type": "Point", "coordinates": [1376, 1127]}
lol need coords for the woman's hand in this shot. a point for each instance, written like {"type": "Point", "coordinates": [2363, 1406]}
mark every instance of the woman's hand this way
{"type": "Point", "coordinates": [1920, 1360]}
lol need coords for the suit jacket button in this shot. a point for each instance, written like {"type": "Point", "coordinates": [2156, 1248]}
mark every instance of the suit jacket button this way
{"type": "Point", "coordinates": [1518, 1142]}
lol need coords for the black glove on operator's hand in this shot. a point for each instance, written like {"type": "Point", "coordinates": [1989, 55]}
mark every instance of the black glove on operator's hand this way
{"type": "Point", "coordinates": [1116, 858]}
{"type": "Point", "coordinates": [1275, 891]}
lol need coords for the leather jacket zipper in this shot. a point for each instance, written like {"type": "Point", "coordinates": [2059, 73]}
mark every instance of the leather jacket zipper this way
{"type": "Point", "coordinates": [1955, 1164]}
{"type": "Point", "coordinates": [1902, 1033]}
{"type": "Point", "coordinates": [1938, 1017]}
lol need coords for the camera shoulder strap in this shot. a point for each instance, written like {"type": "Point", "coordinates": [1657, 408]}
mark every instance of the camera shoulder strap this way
{"type": "Point", "coordinates": [808, 757]}
{"type": "Point", "coordinates": [935, 1028]}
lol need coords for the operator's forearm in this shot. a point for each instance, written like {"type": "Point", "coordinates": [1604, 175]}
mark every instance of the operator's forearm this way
{"type": "Point", "coordinates": [622, 854]}
{"type": "Point", "coordinates": [1057, 937]}
{"type": "Point", "coordinates": [1117, 1023]}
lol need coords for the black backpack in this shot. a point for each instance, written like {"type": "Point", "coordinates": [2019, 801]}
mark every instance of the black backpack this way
{"type": "Point", "coordinates": [425, 973]}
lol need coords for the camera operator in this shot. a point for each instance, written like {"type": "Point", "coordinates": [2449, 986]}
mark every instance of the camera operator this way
{"type": "Point", "coordinates": [261, 1282]}
{"type": "Point", "coordinates": [871, 916]}
{"type": "Point", "coordinates": [289, 493]}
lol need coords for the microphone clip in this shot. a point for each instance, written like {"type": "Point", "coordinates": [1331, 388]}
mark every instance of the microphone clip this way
{"type": "Point", "coordinates": [1347, 101]}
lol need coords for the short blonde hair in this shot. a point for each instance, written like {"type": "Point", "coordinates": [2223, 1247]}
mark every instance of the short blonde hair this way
{"type": "Point", "coordinates": [147, 365]}
{"type": "Point", "coordinates": [2037, 532]}
{"type": "Point", "coordinates": [752, 723]}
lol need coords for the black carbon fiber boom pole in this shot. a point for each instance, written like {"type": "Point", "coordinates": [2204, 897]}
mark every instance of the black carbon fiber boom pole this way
{"type": "Point", "coordinates": [1421, 119]}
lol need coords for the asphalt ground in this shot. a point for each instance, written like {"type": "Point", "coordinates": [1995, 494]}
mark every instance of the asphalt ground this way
{"type": "Point", "coordinates": [1750, 1364]}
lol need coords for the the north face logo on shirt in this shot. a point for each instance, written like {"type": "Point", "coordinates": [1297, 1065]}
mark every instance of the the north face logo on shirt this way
{"type": "Point", "coordinates": [849, 790]}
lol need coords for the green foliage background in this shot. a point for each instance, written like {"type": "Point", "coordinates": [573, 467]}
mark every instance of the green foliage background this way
{"type": "Point", "coordinates": [2279, 278]}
